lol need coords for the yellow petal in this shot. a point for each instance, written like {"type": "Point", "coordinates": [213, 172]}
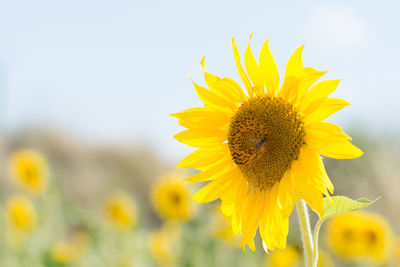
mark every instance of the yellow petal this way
{"type": "Point", "coordinates": [286, 199]}
{"type": "Point", "coordinates": [205, 138]}
{"type": "Point", "coordinates": [204, 156]}
{"type": "Point", "coordinates": [309, 77]}
{"type": "Point", "coordinates": [216, 170]}
{"type": "Point", "coordinates": [230, 90]}
{"type": "Point", "coordinates": [289, 89]}
{"type": "Point", "coordinates": [230, 196]}
{"type": "Point", "coordinates": [314, 170]}
{"type": "Point", "coordinates": [201, 113]}
{"type": "Point", "coordinates": [253, 71]}
{"type": "Point", "coordinates": [250, 217]}
{"type": "Point", "coordinates": [310, 183]}
{"type": "Point", "coordinates": [326, 130]}
{"type": "Point", "coordinates": [317, 95]}
{"type": "Point", "coordinates": [210, 99]}
{"type": "Point", "coordinates": [210, 79]}
{"type": "Point", "coordinates": [215, 188]}
{"type": "Point", "coordinates": [270, 222]}
{"type": "Point", "coordinates": [328, 107]}
{"type": "Point", "coordinates": [235, 221]}
{"type": "Point", "coordinates": [239, 206]}
{"type": "Point", "coordinates": [269, 69]}
{"type": "Point", "coordinates": [314, 199]}
{"type": "Point", "coordinates": [337, 148]}
{"type": "Point", "coordinates": [294, 66]}
{"type": "Point", "coordinates": [238, 183]}
{"type": "Point", "coordinates": [203, 125]}
{"type": "Point", "coordinates": [240, 69]}
{"type": "Point", "coordinates": [285, 232]}
{"type": "Point", "coordinates": [293, 72]}
{"type": "Point", "coordinates": [312, 196]}
{"type": "Point", "coordinates": [225, 88]}
{"type": "Point", "coordinates": [227, 209]}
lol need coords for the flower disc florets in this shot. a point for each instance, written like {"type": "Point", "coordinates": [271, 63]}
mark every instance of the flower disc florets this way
{"type": "Point", "coordinates": [265, 136]}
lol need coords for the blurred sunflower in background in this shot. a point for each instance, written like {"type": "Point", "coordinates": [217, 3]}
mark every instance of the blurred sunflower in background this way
{"type": "Point", "coordinates": [324, 259]}
{"type": "Point", "coordinates": [21, 214]}
{"type": "Point", "coordinates": [288, 257]}
{"type": "Point", "coordinates": [21, 220]}
{"type": "Point", "coordinates": [71, 250]}
{"type": "Point", "coordinates": [64, 252]}
{"type": "Point", "coordinates": [262, 150]}
{"type": "Point", "coordinates": [171, 198]}
{"type": "Point", "coordinates": [29, 170]}
{"type": "Point", "coordinates": [397, 251]}
{"type": "Point", "coordinates": [221, 227]}
{"type": "Point", "coordinates": [164, 244]}
{"type": "Point", "coordinates": [127, 259]}
{"type": "Point", "coordinates": [359, 235]}
{"type": "Point", "coordinates": [120, 211]}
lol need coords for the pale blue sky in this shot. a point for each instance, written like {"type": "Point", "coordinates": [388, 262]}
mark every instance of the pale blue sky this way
{"type": "Point", "coordinates": [112, 71]}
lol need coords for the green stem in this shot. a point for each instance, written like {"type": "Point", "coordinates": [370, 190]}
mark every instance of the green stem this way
{"type": "Point", "coordinates": [305, 232]}
{"type": "Point", "coordinates": [315, 242]}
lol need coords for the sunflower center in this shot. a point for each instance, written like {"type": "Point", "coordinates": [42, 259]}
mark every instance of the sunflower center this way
{"type": "Point", "coordinates": [175, 198]}
{"type": "Point", "coordinates": [265, 136]}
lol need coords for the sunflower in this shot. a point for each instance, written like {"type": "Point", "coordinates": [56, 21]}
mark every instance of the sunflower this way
{"type": "Point", "coordinates": [221, 228]}
{"type": "Point", "coordinates": [21, 221]}
{"type": "Point", "coordinates": [71, 250]}
{"type": "Point", "coordinates": [64, 252]}
{"type": "Point", "coordinates": [288, 257]}
{"type": "Point", "coordinates": [359, 235]}
{"type": "Point", "coordinates": [324, 259]}
{"type": "Point", "coordinates": [30, 171]}
{"type": "Point", "coordinates": [397, 251]}
{"type": "Point", "coordinates": [262, 151]}
{"type": "Point", "coordinates": [171, 198]}
{"type": "Point", "coordinates": [21, 214]}
{"type": "Point", "coordinates": [164, 244]}
{"type": "Point", "coordinates": [120, 211]}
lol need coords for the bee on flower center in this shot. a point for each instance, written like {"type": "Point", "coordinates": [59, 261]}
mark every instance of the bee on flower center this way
{"type": "Point", "coordinates": [265, 136]}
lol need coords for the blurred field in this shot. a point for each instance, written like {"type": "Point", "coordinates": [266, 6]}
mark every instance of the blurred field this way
{"type": "Point", "coordinates": [73, 230]}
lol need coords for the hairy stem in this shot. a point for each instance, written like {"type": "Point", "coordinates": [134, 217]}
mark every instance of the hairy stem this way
{"type": "Point", "coordinates": [305, 232]}
{"type": "Point", "coordinates": [315, 242]}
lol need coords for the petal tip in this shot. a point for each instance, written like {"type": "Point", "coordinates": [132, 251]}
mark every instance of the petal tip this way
{"type": "Point", "coordinates": [174, 115]}
{"type": "Point", "coordinates": [346, 103]}
{"type": "Point", "coordinates": [264, 245]}
{"type": "Point", "coordinates": [190, 76]}
{"type": "Point", "coordinates": [203, 66]}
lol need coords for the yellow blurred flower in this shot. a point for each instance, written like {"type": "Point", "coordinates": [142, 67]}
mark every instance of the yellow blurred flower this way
{"type": "Point", "coordinates": [120, 211]}
{"type": "Point", "coordinates": [30, 171]}
{"type": "Point", "coordinates": [171, 198]}
{"type": "Point", "coordinates": [288, 257]}
{"type": "Point", "coordinates": [222, 227]}
{"type": "Point", "coordinates": [21, 221]}
{"type": "Point", "coordinates": [397, 251]}
{"type": "Point", "coordinates": [164, 244]}
{"type": "Point", "coordinates": [71, 251]}
{"type": "Point", "coordinates": [64, 252]}
{"type": "Point", "coordinates": [127, 259]}
{"type": "Point", "coordinates": [359, 235]}
{"type": "Point", "coordinates": [21, 214]}
{"type": "Point", "coordinates": [324, 260]}
{"type": "Point", "coordinates": [81, 240]}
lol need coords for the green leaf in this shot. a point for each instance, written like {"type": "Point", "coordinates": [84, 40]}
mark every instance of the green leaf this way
{"type": "Point", "coordinates": [338, 205]}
